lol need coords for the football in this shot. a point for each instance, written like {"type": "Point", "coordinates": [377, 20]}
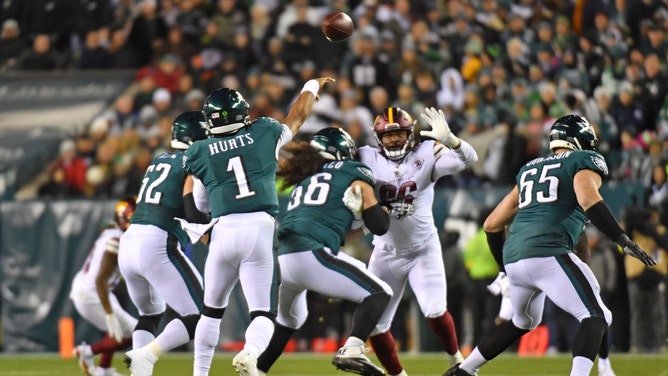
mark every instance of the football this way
{"type": "Point", "coordinates": [337, 26]}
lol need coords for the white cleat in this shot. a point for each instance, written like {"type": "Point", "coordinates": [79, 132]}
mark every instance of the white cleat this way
{"type": "Point", "coordinates": [140, 361]}
{"type": "Point", "coordinates": [245, 363]}
{"type": "Point", "coordinates": [352, 359]}
{"type": "Point", "coordinates": [85, 358]}
{"type": "Point", "coordinates": [605, 371]}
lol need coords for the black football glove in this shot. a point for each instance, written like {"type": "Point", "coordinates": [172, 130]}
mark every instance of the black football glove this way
{"type": "Point", "coordinates": [634, 250]}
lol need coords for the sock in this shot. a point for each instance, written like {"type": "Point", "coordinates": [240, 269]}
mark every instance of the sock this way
{"type": "Point", "coordinates": [444, 327]}
{"type": "Point", "coordinates": [258, 335]}
{"type": "Point", "coordinates": [279, 339]}
{"type": "Point", "coordinates": [109, 344]}
{"type": "Point", "coordinates": [498, 338]}
{"type": "Point", "coordinates": [604, 363]}
{"type": "Point", "coordinates": [174, 335]}
{"type": "Point", "coordinates": [386, 351]}
{"type": "Point", "coordinates": [581, 366]}
{"type": "Point", "coordinates": [141, 338]}
{"type": "Point", "coordinates": [353, 341]}
{"type": "Point", "coordinates": [588, 337]}
{"type": "Point", "coordinates": [105, 359]}
{"type": "Point", "coordinates": [367, 314]}
{"type": "Point", "coordinates": [473, 362]}
{"type": "Point", "coordinates": [604, 351]}
{"type": "Point", "coordinates": [206, 339]}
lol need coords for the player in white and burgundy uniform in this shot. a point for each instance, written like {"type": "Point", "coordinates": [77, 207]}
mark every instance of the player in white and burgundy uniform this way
{"type": "Point", "coordinates": [405, 171]}
{"type": "Point", "coordinates": [93, 299]}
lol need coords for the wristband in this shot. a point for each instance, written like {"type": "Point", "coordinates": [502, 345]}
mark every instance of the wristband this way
{"type": "Point", "coordinates": [313, 87]}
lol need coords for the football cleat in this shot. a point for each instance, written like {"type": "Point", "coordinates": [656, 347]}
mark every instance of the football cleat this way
{"type": "Point", "coordinates": [245, 363]}
{"type": "Point", "coordinates": [85, 358]}
{"type": "Point", "coordinates": [140, 361]}
{"type": "Point", "coordinates": [352, 359]}
{"type": "Point", "coordinates": [455, 358]}
{"type": "Point", "coordinates": [456, 371]}
{"type": "Point", "coordinates": [605, 370]}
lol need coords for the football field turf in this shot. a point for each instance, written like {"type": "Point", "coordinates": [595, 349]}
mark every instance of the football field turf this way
{"type": "Point", "coordinates": [303, 364]}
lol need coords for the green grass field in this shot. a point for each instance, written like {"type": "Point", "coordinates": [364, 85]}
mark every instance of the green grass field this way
{"type": "Point", "coordinates": [302, 364]}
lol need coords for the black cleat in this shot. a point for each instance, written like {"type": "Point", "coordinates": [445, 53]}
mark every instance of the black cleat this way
{"type": "Point", "coordinates": [456, 371]}
{"type": "Point", "coordinates": [352, 359]}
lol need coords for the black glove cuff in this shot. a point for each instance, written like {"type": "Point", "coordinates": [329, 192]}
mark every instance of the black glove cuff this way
{"type": "Point", "coordinates": [600, 216]}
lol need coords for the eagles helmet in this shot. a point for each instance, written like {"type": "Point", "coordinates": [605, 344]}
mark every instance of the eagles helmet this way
{"type": "Point", "coordinates": [334, 144]}
{"type": "Point", "coordinates": [393, 119]}
{"type": "Point", "coordinates": [226, 111]}
{"type": "Point", "coordinates": [572, 132]}
{"type": "Point", "coordinates": [187, 128]}
{"type": "Point", "coordinates": [125, 208]}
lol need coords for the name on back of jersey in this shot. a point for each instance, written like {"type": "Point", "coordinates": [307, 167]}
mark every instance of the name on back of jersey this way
{"type": "Point", "coordinates": [226, 144]}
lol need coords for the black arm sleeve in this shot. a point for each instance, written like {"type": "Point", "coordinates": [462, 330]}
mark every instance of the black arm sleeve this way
{"type": "Point", "coordinates": [192, 214]}
{"type": "Point", "coordinates": [495, 241]}
{"type": "Point", "coordinates": [600, 216]}
{"type": "Point", "coordinates": [376, 219]}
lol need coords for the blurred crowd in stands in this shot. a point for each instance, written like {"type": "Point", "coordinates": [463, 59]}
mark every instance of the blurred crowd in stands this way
{"type": "Point", "coordinates": [501, 69]}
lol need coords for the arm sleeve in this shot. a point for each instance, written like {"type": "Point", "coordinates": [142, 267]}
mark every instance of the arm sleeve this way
{"type": "Point", "coordinates": [452, 161]}
{"type": "Point", "coordinates": [600, 216]}
{"type": "Point", "coordinates": [200, 196]}
{"type": "Point", "coordinates": [376, 219]}
{"type": "Point", "coordinates": [192, 214]}
{"type": "Point", "coordinates": [495, 241]}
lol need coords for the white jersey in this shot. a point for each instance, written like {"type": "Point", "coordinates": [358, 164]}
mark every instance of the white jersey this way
{"type": "Point", "coordinates": [106, 242]}
{"type": "Point", "coordinates": [411, 180]}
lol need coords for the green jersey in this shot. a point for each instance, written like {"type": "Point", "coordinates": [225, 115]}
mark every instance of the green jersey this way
{"type": "Point", "coordinates": [239, 170]}
{"type": "Point", "coordinates": [549, 220]}
{"type": "Point", "coordinates": [160, 197]}
{"type": "Point", "coordinates": [316, 216]}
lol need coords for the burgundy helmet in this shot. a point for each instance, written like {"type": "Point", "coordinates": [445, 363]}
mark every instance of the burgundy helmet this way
{"type": "Point", "coordinates": [392, 119]}
{"type": "Point", "coordinates": [125, 208]}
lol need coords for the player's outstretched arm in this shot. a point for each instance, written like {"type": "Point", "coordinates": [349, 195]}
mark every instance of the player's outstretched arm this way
{"type": "Point", "coordinates": [108, 265]}
{"type": "Point", "coordinates": [302, 107]}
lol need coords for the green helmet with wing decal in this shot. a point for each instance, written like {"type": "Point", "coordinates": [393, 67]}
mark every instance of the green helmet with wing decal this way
{"type": "Point", "coordinates": [334, 144]}
{"type": "Point", "coordinates": [187, 128]}
{"type": "Point", "coordinates": [226, 111]}
{"type": "Point", "coordinates": [572, 132]}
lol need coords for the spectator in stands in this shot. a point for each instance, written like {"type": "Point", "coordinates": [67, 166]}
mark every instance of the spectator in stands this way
{"type": "Point", "coordinates": [121, 54]}
{"type": "Point", "coordinates": [40, 57]}
{"type": "Point", "coordinates": [653, 89]}
{"type": "Point", "coordinates": [229, 16]}
{"type": "Point", "coordinates": [94, 55]}
{"type": "Point", "coordinates": [11, 44]}
{"type": "Point", "coordinates": [73, 166]}
{"type": "Point", "coordinates": [57, 187]}
{"type": "Point", "coordinates": [627, 110]}
{"type": "Point", "coordinates": [148, 32]}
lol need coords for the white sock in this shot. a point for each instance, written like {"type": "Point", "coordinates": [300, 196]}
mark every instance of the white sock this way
{"type": "Point", "coordinates": [604, 362]}
{"type": "Point", "coordinates": [174, 335]}
{"type": "Point", "coordinates": [353, 341]}
{"type": "Point", "coordinates": [141, 338]}
{"type": "Point", "coordinates": [581, 366]}
{"type": "Point", "coordinates": [473, 362]}
{"type": "Point", "coordinates": [258, 335]}
{"type": "Point", "coordinates": [206, 339]}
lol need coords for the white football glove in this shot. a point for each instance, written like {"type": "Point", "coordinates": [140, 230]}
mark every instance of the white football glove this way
{"type": "Point", "coordinates": [114, 327]}
{"type": "Point", "coordinates": [440, 130]}
{"type": "Point", "coordinates": [400, 209]}
{"type": "Point", "coordinates": [353, 200]}
{"type": "Point", "coordinates": [500, 285]}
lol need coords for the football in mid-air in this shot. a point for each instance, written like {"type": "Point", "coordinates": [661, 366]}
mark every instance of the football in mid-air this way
{"type": "Point", "coordinates": [337, 26]}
